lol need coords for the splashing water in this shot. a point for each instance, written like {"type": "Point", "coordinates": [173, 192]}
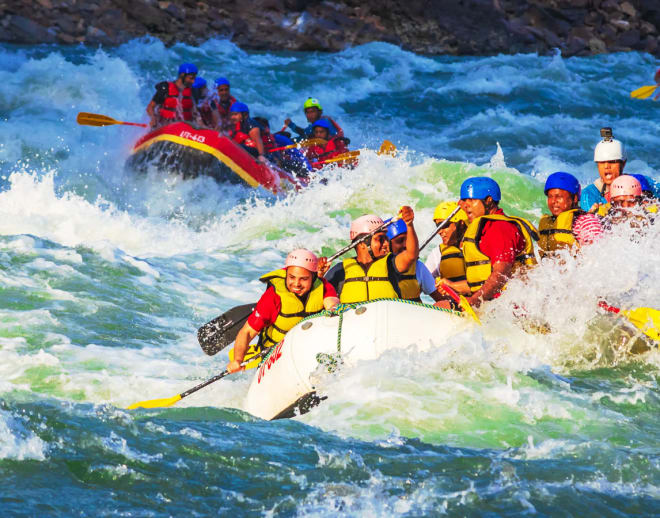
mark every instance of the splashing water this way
{"type": "Point", "coordinates": [106, 277]}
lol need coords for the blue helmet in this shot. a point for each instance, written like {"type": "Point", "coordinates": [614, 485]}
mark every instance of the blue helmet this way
{"type": "Point", "coordinates": [479, 188]}
{"type": "Point", "coordinates": [322, 123]}
{"type": "Point", "coordinates": [396, 229]}
{"type": "Point", "coordinates": [239, 107]}
{"type": "Point", "coordinates": [187, 68]}
{"type": "Point", "coordinates": [200, 82]}
{"type": "Point", "coordinates": [221, 81]}
{"type": "Point", "coordinates": [564, 181]}
{"type": "Point", "coordinates": [643, 181]}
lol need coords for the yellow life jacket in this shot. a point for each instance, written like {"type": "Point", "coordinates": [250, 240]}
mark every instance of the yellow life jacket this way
{"type": "Point", "coordinates": [477, 264]}
{"type": "Point", "coordinates": [557, 231]}
{"type": "Point", "coordinates": [292, 310]}
{"type": "Point", "coordinates": [452, 263]}
{"type": "Point", "coordinates": [360, 286]}
{"type": "Point", "coordinates": [409, 286]}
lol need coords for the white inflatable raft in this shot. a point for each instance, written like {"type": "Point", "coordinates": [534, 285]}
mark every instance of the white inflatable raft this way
{"type": "Point", "coordinates": [282, 386]}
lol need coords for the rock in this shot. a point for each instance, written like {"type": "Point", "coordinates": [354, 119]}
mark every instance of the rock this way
{"type": "Point", "coordinates": [575, 46]}
{"type": "Point", "coordinates": [647, 28]}
{"type": "Point", "coordinates": [23, 30]}
{"type": "Point", "coordinates": [597, 46]}
{"type": "Point", "coordinates": [629, 39]}
{"type": "Point", "coordinates": [622, 25]}
{"type": "Point", "coordinates": [65, 38]}
{"type": "Point", "coordinates": [627, 7]}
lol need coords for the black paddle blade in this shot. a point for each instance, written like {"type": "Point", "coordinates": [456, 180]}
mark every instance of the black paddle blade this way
{"type": "Point", "coordinates": [217, 334]}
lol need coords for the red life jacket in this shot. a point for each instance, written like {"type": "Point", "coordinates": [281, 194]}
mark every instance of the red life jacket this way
{"type": "Point", "coordinates": [240, 136]}
{"type": "Point", "coordinates": [177, 103]}
{"type": "Point", "coordinates": [268, 140]}
{"type": "Point", "coordinates": [222, 111]}
{"type": "Point", "coordinates": [335, 147]}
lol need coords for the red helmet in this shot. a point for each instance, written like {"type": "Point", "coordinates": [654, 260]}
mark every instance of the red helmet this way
{"type": "Point", "coordinates": [303, 258]}
{"type": "Point", "coordinates": [365, 224]}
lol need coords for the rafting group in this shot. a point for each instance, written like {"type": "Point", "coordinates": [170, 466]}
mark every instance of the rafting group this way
{"type": "Point", "coordinates": [482, 249]}
{"type": "Point", "coordinates": [189, 99]}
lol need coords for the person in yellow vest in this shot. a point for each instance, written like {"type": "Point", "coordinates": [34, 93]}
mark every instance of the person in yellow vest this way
{"type": "Point", "coordinates": [375, 272]}
{"type": "Point", "coordinates": [446, 262]}
{"type": "Point", "coordinates": [494, 243]}
{"type": "Point", "coordinates": [293, 293]}
{"type": "Point", "coordinates": [417, 279]}
{"type": "Point", "coordinates": [567, 225]}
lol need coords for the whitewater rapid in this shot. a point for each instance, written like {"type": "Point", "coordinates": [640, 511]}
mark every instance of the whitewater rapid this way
{"type": "Point", "coordinates": [106, 277]}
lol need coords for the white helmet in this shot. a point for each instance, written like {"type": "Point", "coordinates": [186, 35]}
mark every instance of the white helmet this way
{"type": "Point", "coordinates": [609, 149]}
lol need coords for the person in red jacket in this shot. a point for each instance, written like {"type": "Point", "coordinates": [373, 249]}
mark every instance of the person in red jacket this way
{"type": "Point", "coordinates": [222, 101]}
{"type": "Point", "coordinates": [246, 132]}
{"type": "Point", "coordinates": [334, 146]}
{"type": "Point", "coordinates": [173, 100]}
{"type": "Point", "coordinates": [293, 293]}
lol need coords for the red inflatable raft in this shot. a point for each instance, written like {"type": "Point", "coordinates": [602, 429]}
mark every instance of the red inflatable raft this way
{"type": "Point", "coordinates": [193, 152]}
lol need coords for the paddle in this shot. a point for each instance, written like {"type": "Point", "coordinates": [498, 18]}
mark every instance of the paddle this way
{"type": "Point", "coordinates": [462, 302]}
{"type": "Point", "coordinates": [302, 143]}
{"type": "Point", "coordinates": [95, 119]}
{"type": "Point", "coordinates": [440, 226]}
{"type": "Point", "coordinates": [353, 244]}
{"type": "Point", "coordinates": [345, 156]}
{"type": "Point", "coordinates": [158, 403]}
{"type": "Point", "coordinates": [645, 319]}
{"type": "Point", "coordinates": [387, 148]}
{"type": "Point", "coordinates": [644, 92]}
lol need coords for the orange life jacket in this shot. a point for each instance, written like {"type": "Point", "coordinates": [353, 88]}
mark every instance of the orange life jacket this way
{"type": "Point", "coordinates": [177, 104]}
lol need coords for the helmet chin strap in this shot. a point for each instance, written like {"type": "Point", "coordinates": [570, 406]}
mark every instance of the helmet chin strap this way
{"type": "Point", "coordinates": [371, 253]}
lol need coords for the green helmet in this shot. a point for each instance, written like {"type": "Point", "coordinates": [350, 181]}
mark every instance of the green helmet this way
{"type": "Point", "coordinates": [312, 103]}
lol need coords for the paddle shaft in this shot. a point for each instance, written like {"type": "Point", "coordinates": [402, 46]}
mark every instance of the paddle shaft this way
{"type": "Point", "coordinates": [360, 240]}
{"type": "Point", "coordinates": [440, 226]}
{"type": "Point", "coordinates": [96, 119]}
{"type": "Point", "coordinates": [219, 376]}
{"type": "Point", "coordinates": [346, 156]}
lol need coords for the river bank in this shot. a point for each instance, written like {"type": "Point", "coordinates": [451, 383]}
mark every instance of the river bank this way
{"type": "Point", "coordinates": [455, 27]}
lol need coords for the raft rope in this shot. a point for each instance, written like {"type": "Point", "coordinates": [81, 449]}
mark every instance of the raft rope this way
{"type": "Point", "coordinates": [331, 360]}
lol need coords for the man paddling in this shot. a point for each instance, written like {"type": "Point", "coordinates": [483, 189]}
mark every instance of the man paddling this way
{"type": "Point", "coordinates": [374, 273]}
{"type": "Point", "coordinates": [567, 225]}
{"type": "Point", "coordinates": [417, 278]}
{"type": "Point", "coordinates": [173, 100]}
{"type": "Point", "coordinates": [293, 293]}
{"type": "Point", "coordinates": [313, 112]}
{"type": "Point", "coordinates": [494, 245]}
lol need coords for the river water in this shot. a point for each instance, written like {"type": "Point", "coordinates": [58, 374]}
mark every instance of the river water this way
{"type": "Point", "coordinates": [106, 276]}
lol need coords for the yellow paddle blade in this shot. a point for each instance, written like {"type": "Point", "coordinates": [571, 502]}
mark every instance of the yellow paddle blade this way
{"type": "Point", "coordinates": [646, 319]}
{"type": "Point", "coordinates": [155, 403]}
{"type": "Point", "coordinates": [643, 92]}
{"type": "Point", "coordinates": [465, 306]}
{"type": "Point", "coordinates": [95, 119]}
{"type": "Point", "coordinates": [387, 148]}
{"type": "Point", "coordinates": [251, 353]}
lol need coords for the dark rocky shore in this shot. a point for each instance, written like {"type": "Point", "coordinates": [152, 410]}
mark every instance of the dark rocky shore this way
{"type": "Point", "coordinates": [465, 27]}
